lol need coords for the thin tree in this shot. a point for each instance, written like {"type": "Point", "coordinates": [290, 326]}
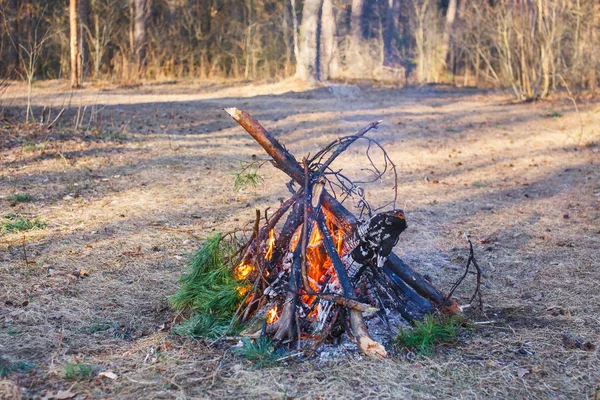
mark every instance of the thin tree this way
{"type": "Point", "coordinates": [391, 33]}
{"type": "Point", "coordinates": [74, 44]}
{"type": "Point", "coordinates": [447, 36]}
{"type": "Point", "coordinates": [295, 32]}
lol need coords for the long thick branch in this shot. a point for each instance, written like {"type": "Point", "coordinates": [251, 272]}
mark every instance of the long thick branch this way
{"type": "Point", "coordinates": [282, 158]}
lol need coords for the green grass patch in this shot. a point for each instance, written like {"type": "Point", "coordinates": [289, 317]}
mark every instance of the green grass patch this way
{"type": "Point", "coordinates": [433, 330]}
{"type": "Point", "coordinates": [11, 223]}
{"type": "Point", "coordinates": [260, 352]}
{"type": "Point", "coordinates": [12, 331]}
{"type": "Point", "coordinates": [20, 198]}
{"type": "Point", "coordinates": [78, 371]}
{"type": "Point", "coordinates": [6, 368]}
{"type": "Point", "coordinates": [478, 185]}
{"type": "Point", "coordinates": [118, 136]}
{"type": "Point", "coordinates": [554, 114]}
{"type": "Point", "coordinates": [30, 147]}
{"type": "Point", "coordinates": [95, 328]}
{"type": "Point", "coordinates": [209, 292]}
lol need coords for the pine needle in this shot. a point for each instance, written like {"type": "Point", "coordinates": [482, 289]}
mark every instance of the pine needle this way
{"type": "Point", "coordinates": [209, 293]}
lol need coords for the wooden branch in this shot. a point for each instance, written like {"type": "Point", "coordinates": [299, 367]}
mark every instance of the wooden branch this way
{"type": "Point", "coordinates": [338, 265]}
{"type": "Point", "coordinates": [419, 284]}
{"type": "Point", "coordinates": [291, 224]}
{"type": "Point", "coordinates": [367, 345]}
{"type": "Point", "coordinates": [282, 158]}
{"type": "Point", "coordinates": [285, 323]}
{"type": "Point", "coordinates": [345, 302]}
{"type": "Point", "coordinates": [345, 145]}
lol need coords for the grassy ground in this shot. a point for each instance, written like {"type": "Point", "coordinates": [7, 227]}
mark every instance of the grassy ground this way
{"type": "Point", "coordinates": [121, 202]}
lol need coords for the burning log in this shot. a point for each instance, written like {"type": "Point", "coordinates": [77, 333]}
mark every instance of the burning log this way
{"type": "Point", "coordinates": [325, 268]}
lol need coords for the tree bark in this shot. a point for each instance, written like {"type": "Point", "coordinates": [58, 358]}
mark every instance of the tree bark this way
{"type": "Point", "coordinates": [447, 37]}
{"type": "Point", "coordinates": [13, 32]}
{"type": "Point", "coordinates": [139, 34]}
{"type": "Point", "coordinates": [356, 23]}
{"type": "Point", "coordinates": [329, 53]}
{"type": "Point", "coordinates": [306, 66]}
{"type": "Point", "coordinates": [295, 32]}
{"type": "Point", "coordinates": [85, 26]}
{"type": "Point", "coordinates": [594, 27]}
{"type": "Point", "coordinates": [74, 44]}
{"type": "Point", "coordinates": [391, 33]}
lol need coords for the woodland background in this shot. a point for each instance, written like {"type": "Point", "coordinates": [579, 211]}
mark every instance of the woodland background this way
{"type": "Point", "coordinates": [530, 47]}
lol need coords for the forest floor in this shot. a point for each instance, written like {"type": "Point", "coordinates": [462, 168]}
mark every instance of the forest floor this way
{"type": "Point", "coordinates": [124, 200]}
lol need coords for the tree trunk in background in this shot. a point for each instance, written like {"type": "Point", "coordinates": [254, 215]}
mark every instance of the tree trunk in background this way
{"type": "Point", "coordinates": [13, 32]}
{"type": "Point", "coordinates": [131, 26]}
{"type": "Point", "coordinates": [462, 9]}
{"type": "Point", "coordinates": [84, 27]}
{"type": "Point", "coordinates": [297, 55]}
{"type": "Point", "coordinates": [450, 18]}
{"type": "Point", "coordinates": [595, 45]}
{"type": "Point", "coordinates": [546, 48]}
{"type": "Point", "coordinates": [306, 66]}
{"type": "Point", "coordinates": [391, 33]}
{"type": "Point", "coordinates": [74, 44]}
{"type": "Point", "coordinates": [329, 52]}
{"type": "Point", "coordinates": [139, 34]}
{"type": "Point", "coordinates": [356, 24]}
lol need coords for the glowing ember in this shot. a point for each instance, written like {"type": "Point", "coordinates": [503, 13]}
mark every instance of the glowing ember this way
{"type": "Point", "coordinates": [272, 315]}
{"type": "Point", "coordinates": [271, 244]}
{"type": "Point", "coordinates": [339, 241]}
{"type": "Point", "coordinates": [243, 270]}
{"type": "Point", "coordinates": [242, 290]}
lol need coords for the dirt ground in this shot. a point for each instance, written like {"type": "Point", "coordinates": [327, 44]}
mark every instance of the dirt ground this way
{"type": "Point", "coordinates": [150, 171]}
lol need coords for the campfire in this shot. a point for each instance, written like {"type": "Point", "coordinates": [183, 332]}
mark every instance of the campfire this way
{"type": "Point", "coordinates": [312, 270]}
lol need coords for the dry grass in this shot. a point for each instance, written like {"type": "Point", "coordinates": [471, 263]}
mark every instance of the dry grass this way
{"type": "Point", "coordinates": [127, 200]}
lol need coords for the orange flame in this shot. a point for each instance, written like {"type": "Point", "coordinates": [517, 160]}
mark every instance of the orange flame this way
{"type": "Point", "coordinates": [243, 270]}
{"type": "Point", "coordinates": [272, 315]}
{"type": "Point", "coordinates": [242, 290]}
{"type": "Point", "coordinates": [315, 237]}
{"type": "Point", "coordinates": [271, 244]}
{"type": "Point", "coordinates": [340, 242]}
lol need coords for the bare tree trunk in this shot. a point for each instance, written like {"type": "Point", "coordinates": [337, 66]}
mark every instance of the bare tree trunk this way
{"type": "Point", "coordinates": [592, 79]}
{"type": "Point", "coordinates": [139, 34]}
{"type": "Point", "coordinates": [131, 26]}
{"type": "Point", "coordinates": [356, 24]}
{"type": "Point", "coordinates": [306, 66]}
{"type": "Point", "coordinates": [450, 18]}
{"type": "Point", "coordinates": [84, 28]}
{"type": "Point", "coordinates": [329, 53]}
{"type": "Point", "coordinates": [295, 32]}
{"type": "Point", "coordinates": [391, 33]}
{"type": "Point", "coordinates": [75, 55]}
{"type": "Point", "coordinates": [13, 33]}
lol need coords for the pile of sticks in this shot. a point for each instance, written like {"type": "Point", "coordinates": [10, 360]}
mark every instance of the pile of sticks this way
{"type": "Point", "coordinates": [321, 270]}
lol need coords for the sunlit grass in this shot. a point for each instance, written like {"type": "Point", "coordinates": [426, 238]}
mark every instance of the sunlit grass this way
{"type": "Point", "coordinates": [426, 334]}
{"type": "Point", "coordinates": [11, 223]}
